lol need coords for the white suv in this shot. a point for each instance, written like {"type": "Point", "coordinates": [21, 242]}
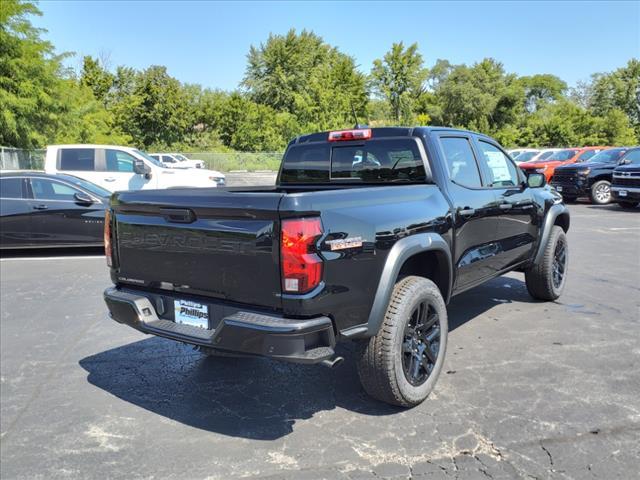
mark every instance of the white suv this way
{"type": "Point", "coordinates": [177, 160]}
{"type": "Point", "coordinates": [123, 168]}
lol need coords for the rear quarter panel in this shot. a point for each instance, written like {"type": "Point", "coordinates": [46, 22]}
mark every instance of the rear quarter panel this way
{"type": "Point", "coordinates": [376, 216]}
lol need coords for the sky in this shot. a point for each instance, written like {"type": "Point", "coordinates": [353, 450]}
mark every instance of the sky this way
{"type": "Point", "coordinates": [207, 42]}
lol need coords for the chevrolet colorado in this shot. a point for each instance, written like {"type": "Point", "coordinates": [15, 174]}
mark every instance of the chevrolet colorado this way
{"type": "Point", "coordinates": [365, 237]}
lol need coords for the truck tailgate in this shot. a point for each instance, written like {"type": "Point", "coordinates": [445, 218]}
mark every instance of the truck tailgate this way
{"type": "Point", "coordinates": [200, 241]}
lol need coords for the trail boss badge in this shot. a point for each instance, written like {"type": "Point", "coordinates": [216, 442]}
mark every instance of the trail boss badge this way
{"type": "Point", "coordinates": [343, 243]}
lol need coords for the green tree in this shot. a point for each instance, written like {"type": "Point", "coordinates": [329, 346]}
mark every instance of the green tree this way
{"type": "Point", "coordinates": [481, 97]}
{"type": "Point", "coordinates": [156, 110]}
{"type": "Point", "coordinates": [97, 78]}
{"type": "Point", "coordinates": [248, 126]}
{"type": "Point", "coordinates": [302, 75]}
{"type": "Point", "coordinates": [83, 118]}
{"type": "Point", "coordinates": [398, 77]}
{"type": "Point", "coordinates": [29, 79]}
{"type": "Point", "coordinates": [542, 89]}
{"type": "Point", "coordinates": [620, 90]}
{"type": "Point", "coordinates": [566, 124]}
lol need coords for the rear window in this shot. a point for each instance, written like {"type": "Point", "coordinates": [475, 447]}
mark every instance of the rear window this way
{"type": "Point", "coordinates": [306, 164]}
{"type": "Point", "coordinates": [375, 161]}
{"type": "Point", "coordinates": [77, 159]}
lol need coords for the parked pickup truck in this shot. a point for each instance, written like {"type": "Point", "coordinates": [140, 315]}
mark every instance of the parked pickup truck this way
{"type": "Point", "coordinates": [123, 168]}
{"type": "Point", "coordinates": [365, 237]}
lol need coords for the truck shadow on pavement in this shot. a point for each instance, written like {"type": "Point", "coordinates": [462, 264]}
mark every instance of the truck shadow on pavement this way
{"type": "Point", "coordinates": [254, 398]}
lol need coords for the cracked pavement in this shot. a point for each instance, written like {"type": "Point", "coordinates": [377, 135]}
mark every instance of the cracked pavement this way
{"type": "Point", "coordinates": [529, 390]}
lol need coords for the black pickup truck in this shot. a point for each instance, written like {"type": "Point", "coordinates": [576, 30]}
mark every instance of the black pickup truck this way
{"type": "Point", "coordinates": [365, 237]}
{"type": "Point", "coordinates": [591, 178]}
{"type": "Point", "coordinates": [625, 186]}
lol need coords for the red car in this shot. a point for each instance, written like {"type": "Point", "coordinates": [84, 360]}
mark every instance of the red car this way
{"type": "Point", "coordinates": [563, 157]}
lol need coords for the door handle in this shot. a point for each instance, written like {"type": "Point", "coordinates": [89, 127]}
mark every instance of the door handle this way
{"type": "Point", "coordinates": [506, 206]}
{"type": "Point", "coordinates": [40, 207]}
{"type": "Point", "coordinates": [110, 179]}
{"type": "Point", "coordinates": [467, 212]}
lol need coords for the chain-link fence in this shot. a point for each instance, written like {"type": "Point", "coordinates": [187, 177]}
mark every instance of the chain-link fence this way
{"type": "Point", "coordinates": [21, 159]}
{"type": "Point", "coordinates": [230, 161]}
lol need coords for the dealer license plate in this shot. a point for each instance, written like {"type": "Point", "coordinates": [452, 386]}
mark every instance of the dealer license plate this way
{"type": "Point", "coordinates": [191, 313]}
{"type": "Point", "coordinates": [622, 193]}
{"type": "Point", "coordinates": [559, 188]}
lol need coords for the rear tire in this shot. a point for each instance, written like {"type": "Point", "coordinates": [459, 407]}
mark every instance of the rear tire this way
{"type": "Point", "coordinates": [401, 364]}
{"type": "Point", "coordinates": [546, 280]}
{"type": "Point", "coordinates": [600, 192]}
{"type": "Point", "coordinates": [628, 204]}
{"type": "Point", "coordinates": [569, 199]}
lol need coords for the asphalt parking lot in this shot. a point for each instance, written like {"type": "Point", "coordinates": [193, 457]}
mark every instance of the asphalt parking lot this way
{"type": "Point", "coordinates": [531, 390]}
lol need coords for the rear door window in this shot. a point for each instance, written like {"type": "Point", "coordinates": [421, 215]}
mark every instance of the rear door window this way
{"type": "Point", "coordinates": [11, 187]}
{"type": "Point", "coordinates": [587, 155]}
{"type": "Point", "coordinates": [78, 159]}
{"type": "Point", "coordinates": [563, 155]}
{"type": "Point", "coordinates": [461, 163]}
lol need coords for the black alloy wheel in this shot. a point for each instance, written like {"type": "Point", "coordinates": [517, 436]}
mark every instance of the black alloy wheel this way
{"type": "Point", "coordinates": [559, 263]}
{"type": "Point", "coordinates": [421, 344]}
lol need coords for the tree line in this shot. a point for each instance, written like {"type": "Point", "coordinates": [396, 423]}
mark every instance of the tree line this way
{"type": "Point", "coordinates": [295, 83]}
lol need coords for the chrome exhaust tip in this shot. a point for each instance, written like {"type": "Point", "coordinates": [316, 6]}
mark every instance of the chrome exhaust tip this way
{"type": "Point", "coordinates": [332, 362]}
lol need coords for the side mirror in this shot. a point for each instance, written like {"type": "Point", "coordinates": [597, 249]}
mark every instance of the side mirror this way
{"type": "Point", "coordinates": [83, 198]}
{"type": "Point", "coordinates": [536, 180]}
{"type": "Point", "coordinates": [140, 167]}
{"type": "Point", "coordinates": [624, 161]}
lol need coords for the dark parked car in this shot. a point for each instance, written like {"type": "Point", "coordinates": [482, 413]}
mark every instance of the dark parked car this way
{"type": "Point", "coordinates": [625, 186]}
{"type": "Point", "coordinates": [365, 237]}
{"type": "Point", "coordinates": [591, 178]}
{"type": "Point", "coordinates": [42, 210]}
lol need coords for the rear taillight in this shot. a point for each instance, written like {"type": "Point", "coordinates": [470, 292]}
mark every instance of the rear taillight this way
{"type": "Point", "coordinates": [107, 236]}
{"type": "Point", "coordinates": [344, 135]}
{"type": "Point", "coordinates": [301, 265]}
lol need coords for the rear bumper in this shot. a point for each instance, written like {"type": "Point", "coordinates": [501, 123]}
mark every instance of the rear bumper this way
{"type": "Point", "coordinates": [295, 340]}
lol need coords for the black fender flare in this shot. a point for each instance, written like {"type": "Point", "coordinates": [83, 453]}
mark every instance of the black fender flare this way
{"type": "Point", "coordinates": [402, 250]}
{"type": "Point", "coordinates": [549, 221]}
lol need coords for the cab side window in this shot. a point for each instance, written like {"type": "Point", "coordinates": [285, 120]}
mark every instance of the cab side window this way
{"type": "Point", "coordinates": [119, 161]}
{"type": "Point", "coordinates": [77, 159]}
{"type": "Point", "coordinates": [461, 162]}
{"type": "Point", "coordinates": [501, 171]}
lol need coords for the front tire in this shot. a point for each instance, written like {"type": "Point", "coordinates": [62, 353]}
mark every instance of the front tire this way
{"type": "Point", "coordinates": [401, 364]}
{"type": "Point", "coordinates": [600, 192]}
{"type": "Point", "coordinates": [546, 280]}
